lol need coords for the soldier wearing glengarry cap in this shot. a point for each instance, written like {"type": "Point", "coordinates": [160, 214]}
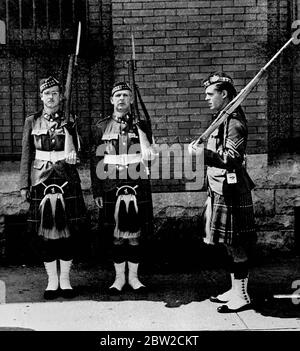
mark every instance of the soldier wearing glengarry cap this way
{"type": "Point", "coordinates": [50, 182]}
{"type": "Point", "coordinates": [121, 185]}
{"type": "Point", "coordinates": [229, 209]}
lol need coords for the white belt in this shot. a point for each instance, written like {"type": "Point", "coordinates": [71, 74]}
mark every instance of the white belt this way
{"type": "Point", "coordinates": [52, 156]}
{"type": "Point", "coordinates": [124, 159]}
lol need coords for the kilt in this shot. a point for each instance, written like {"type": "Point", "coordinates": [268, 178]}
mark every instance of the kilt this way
{"type": "Point", "coordinates": [75, 209]}
{"type": "Point", "coordinates": [232, 220]}
{"type": "Point", "coordinates": [144, 204]}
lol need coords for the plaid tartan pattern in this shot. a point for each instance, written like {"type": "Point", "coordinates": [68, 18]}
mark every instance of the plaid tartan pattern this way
{"type": "Point", "coordinates": [47, 83]}
{"type": "Point", "coordinates": [74, 204]}
{"type": "Point", "coordinates": [232, 220]}
{"type": "Point", "coordinates": [144, 203]}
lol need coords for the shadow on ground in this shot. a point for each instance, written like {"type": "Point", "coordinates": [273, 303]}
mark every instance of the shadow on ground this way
{"type": "Point", "coordinates": [177, 269]}
{"type": "Point", "coordinates": [173, 284]}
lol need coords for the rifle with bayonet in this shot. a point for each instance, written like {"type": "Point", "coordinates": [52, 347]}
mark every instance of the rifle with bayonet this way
{"type": "Point", "coordinates": [132, 67]}
{"type": "Point", "coordinates": [68, 86]}
{"type": "Point", "coordinates": [233, 104]}
{"type": "Point", "coordinates": [69, 145]}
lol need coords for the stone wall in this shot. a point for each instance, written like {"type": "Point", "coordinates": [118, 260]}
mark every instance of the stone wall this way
{"type": "Point", "coordinates": [177, 214]}
{"type": "Point", "coordinates": [276, 195]}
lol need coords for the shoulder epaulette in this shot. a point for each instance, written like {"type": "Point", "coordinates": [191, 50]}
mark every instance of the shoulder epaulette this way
{"type": "Point", "coordinates": [102, 121]}
{"type": "Point", "coordinates": [35, 115]}
{"type": "Point", "coordinates": [238, 114]}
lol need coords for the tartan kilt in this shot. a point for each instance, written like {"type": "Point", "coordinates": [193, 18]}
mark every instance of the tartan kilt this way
{"type": "Point", "coordinates": [144, 203]}
{"type": "Point", "coordinates": [75, 209]}
{"type": "Point", "coordinates": [232, 220]}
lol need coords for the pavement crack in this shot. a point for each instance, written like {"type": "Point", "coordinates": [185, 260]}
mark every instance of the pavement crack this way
{"type": "Point", "coordinates": [241, 319]}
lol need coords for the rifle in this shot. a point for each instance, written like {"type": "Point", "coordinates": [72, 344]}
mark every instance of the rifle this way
{"type": "Point", "coordinates": [68, 87]}
{"type": "Point", "coordinates": [233, 104]}
{"type": "Point", "coordinates": [69, 145]}
{"type": "Point", "coordinates": [132, 67]}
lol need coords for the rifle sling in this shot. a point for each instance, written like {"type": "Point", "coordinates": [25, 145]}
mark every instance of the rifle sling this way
{"type": "Point", "coordinates": [144, 110]}
{"type": "Point", "coordinates": [143, 105]}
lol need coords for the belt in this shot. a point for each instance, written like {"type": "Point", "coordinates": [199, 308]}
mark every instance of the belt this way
{"type": "Point", "coordinates": [52, 156]}
{"type": "Point", "coordinates": [124, 159]}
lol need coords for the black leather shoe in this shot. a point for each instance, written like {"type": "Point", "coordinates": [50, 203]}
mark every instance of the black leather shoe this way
{"type": "Point", "coordinates": [140, 290]}
{"type": "Point", "coordinates": [51, 294]}
{"type": "Point", "coordinates": [215, 299]}
{"type": "Point", "coordinates": [114, 291]}
{"type": "Point", "coordinates": [226, 309]}
{"type": "Point", "coordinates": [68, 293]}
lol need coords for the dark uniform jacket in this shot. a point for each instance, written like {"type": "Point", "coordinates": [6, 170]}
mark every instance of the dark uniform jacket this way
{"type": "Point", "coordinates": [225, 153]}
{"type": "Point", "coordinates": [118, 138]}
{"type": "Point", "coordinates": [46, 133]}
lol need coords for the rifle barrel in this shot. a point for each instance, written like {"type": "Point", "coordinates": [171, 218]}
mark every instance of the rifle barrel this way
{"type": "Point", "coordinates": [78, 42]}
{"type": "Point", "coordinates": [233, 104]}
{"type": "Point", "coordinates": [68, 88]}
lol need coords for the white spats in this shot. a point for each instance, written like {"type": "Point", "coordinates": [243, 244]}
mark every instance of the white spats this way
{"type": "Point", "coordinates": [133, 279]}
{"type": "Point", "coordinates": [51, 269]}
{"type": "Point", "coordinates": [120, 276]}
{"type": "Point", "coordinates": [240, 299]}
{"type": "Point", "coordinates": [64, 278]}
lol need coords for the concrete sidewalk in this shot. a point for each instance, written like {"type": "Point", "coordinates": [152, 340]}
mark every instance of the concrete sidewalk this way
{"type": "Point", "coordinates": [175, 301]}
{"type": "Point", "coordinates": [134, 316]}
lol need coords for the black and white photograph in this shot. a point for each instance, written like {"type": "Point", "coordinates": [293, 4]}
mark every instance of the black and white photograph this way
{"type": "Point", "coordinates": [149, 169]}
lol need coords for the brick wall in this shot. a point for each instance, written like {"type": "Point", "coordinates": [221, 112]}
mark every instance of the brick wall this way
{"type": "Point", "coordinates": [24, 62]}
{"type": "Point", "coordinates": [177, 44]}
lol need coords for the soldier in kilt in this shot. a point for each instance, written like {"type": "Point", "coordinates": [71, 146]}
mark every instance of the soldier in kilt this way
{"type": "Point", "coordinates": [50, 182]}
{"type": "Point", "coordinates": [120, 185]}
{"type": "Point", "coordinates": [229, 212]}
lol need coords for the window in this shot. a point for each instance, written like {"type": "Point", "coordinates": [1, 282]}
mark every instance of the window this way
{"type": "Point", "coordinates": [36, 38]}
{"type": "Point", "coordinates": [41, 19]}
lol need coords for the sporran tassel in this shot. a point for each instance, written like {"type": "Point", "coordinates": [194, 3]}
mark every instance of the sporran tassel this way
{"type": "Point", "coordinates": [133, 217]}
{"type": "Point", "coordinates": [60, 214]}
{"type": "Point", "coordinates": [123, 217]}
{"type": "Point", "coordinates": [46, 214]}
{"type": "Point", "coordinates": [126, 213]}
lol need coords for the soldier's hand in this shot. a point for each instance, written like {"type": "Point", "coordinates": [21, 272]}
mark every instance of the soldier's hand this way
{"type": "Point", "coordinates": [195, 148]}
{"type": "Point", "coordinates": [71, 158]}
{"type": "Point", "coordinates": [99, 201]}
{"type": "Point", "coordinates": [25, 194]}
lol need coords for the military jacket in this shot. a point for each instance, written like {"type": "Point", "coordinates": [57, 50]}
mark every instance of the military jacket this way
{"type": "Point", "coordinates": [46, 133]}
{"type": "Point", "coordinates": [116, 139]}
{"type": "Point", "coordinates": [225, 154]}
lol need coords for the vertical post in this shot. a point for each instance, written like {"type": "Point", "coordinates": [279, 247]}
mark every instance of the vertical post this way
{"type": "Point", "coordinates": [60, 20]}
{"type": "Point", "coordinates": [9, 79]}
{"type": "Point", "coordinates": [297, 225]}
{"type": "Point", "coordinates": [102, 59]}
{"type": "Point", "coordinates": [47, 20]}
